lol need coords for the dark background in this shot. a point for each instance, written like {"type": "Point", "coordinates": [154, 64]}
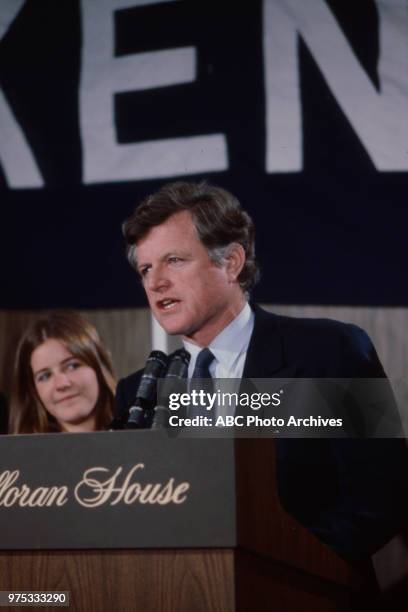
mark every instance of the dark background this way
{"type": "Point", "coordinates": [333, 233]}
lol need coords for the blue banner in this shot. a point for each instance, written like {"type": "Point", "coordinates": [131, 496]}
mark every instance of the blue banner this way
{"type": "Point", "coordinates": [299, 108]}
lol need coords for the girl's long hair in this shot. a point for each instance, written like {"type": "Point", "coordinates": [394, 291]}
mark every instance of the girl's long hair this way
{"type": "Point", "coordinates": [79, 336]}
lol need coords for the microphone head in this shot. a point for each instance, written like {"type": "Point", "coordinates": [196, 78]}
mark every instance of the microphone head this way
{"type": "Point", "coordinates": [145, 398]}
{"type": "Point", "coordinates": [176, 375]}
{"type": "Point", "coordinates": [155, 366]}
{"type": "Point", "coordinates": [156, 362]}
{"type": "Point", "coordinates": [178, 364]}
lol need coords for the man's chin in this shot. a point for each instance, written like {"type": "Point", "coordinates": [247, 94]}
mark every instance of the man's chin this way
{"type": "Point", "coordinates": [171, 327]}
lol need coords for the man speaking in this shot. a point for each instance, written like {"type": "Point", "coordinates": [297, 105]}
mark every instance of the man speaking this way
{"type": "Point", "coordinates": [193, 248]}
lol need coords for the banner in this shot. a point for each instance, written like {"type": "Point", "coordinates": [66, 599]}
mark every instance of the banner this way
{"type": "Point", "coordinates": [299, 108]}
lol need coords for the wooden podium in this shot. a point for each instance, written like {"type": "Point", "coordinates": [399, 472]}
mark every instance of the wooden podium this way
{"type": "Point", "coordinates": [271, 563]}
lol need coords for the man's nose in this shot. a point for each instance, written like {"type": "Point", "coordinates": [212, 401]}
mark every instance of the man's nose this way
{"type": "Point", "coordinates": [157, 280]}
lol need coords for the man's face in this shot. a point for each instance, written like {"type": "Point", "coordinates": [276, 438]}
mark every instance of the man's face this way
{"type": "Point", "coordinates": [188, 293]}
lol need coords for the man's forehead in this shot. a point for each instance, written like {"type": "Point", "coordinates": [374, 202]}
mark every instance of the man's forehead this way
{"type": "Point", "coordinates": [176, 233]}
{"type": "Point", "coordinates": [180, 223]}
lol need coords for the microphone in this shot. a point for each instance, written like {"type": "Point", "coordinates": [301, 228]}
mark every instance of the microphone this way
{"type": "Point", "coordinates": [145, 395]}
{"type": "Point", "coordinates": [176, 374]}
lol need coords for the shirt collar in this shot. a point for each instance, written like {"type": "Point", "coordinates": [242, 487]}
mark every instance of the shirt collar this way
{"type": "Point", "coordinates": [230, 343]}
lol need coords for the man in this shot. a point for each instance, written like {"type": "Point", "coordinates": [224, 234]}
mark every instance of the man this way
{"type": "Point", "coordinates": [193, 247]}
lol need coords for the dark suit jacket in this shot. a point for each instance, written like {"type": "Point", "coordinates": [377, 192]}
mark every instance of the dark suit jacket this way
{"type": "Point", "coordinates": [351, 493]}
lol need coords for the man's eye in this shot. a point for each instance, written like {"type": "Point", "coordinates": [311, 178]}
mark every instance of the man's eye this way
{"type": "Point", "coordinates": [143, 272]}
{"type": "Point", "coordinates": [174, 259]}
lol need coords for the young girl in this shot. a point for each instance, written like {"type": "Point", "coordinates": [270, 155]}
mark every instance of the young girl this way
{"type": "Point", "coordinates": [63, 377]}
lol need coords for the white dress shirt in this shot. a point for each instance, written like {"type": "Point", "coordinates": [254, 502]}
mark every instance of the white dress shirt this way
{"type": "Point", "coordinates": [229, 349]}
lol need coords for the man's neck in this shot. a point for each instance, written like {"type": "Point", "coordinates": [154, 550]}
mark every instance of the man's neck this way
{"type": "Point", "coordinates": [204, 337]}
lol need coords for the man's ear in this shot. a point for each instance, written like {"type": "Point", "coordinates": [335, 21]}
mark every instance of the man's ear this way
{"type": "Point", "coordinates": [235, 260]}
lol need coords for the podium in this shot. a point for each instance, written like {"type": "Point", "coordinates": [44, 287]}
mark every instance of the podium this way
{"type": "Point", "coordinates": [135, 521]}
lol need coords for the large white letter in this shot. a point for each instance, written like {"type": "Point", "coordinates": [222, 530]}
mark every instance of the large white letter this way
{"type": "Point", "coordinates": [18, 162]}
{"type": "Point", "coordinates": [380, 119]}
{"type": "Point", "coordinates": [103, 75]}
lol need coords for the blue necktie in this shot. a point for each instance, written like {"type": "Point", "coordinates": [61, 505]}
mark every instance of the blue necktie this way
{"type": "Point", "coordinates": [202, 364]}
{"type": "Point", "coordinates": [201, 380]}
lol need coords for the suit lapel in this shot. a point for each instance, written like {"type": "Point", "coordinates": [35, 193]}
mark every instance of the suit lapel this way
{"type": "Point", "coordinates": [266, 355]}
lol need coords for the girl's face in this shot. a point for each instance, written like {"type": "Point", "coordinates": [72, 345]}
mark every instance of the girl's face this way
{"type": "Point", "coordinates": [67, 387]}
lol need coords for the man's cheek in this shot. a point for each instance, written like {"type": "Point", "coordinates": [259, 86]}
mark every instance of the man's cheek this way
{"type": "Point", "coordinates": [150, 300]}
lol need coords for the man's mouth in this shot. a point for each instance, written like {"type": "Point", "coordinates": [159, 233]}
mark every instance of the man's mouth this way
{"type": "Point", "coordinates": [167, 304]}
